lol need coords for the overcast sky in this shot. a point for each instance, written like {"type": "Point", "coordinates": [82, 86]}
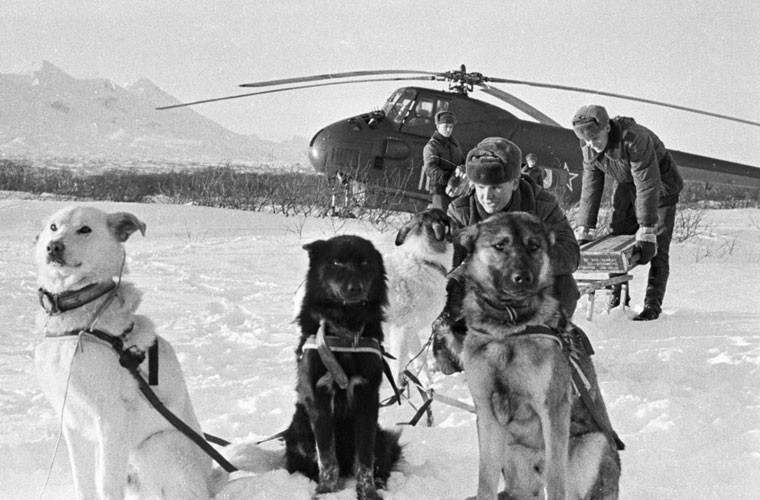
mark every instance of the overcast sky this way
{"type": "Point", "coordinates": [702, 54]}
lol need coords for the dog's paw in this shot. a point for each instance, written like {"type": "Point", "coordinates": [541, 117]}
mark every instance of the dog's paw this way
{"type": "Point", "coordinates": [446, 346]}
{"type": "Point", "coordinates": [328, 480]}
{"type": "Point", "coordinates": [365, 485]}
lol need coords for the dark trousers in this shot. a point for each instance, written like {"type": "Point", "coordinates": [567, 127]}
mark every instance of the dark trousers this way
{"type": "Point", "coordinates": [440, 201]}
{"type": "Point", "coordinates": [624, 222]}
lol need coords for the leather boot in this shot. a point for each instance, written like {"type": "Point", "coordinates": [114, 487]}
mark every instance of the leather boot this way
{"type": "Point", "coordinates": [650, 312]}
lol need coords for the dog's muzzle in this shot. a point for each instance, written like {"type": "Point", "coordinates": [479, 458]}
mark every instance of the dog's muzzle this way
{"type": "Point", "coordinates": [55, 252]}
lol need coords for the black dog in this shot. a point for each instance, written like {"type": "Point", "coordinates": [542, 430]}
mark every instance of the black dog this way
{"type": "Point", "coordinates": [335, 422]}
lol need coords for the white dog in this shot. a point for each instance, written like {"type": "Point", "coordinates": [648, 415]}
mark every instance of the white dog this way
{"type": "Point", "coordinates": [416, 271]}
{"type": "Point", "coordinates": [117, 442]}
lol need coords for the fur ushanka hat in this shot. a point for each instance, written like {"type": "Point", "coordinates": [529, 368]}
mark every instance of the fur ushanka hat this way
{"type": "Point", "coordinates": [493, 161]}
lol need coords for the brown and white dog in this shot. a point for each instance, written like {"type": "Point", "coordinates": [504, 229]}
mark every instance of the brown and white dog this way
{"type": "Point", "coordinates": [519, 355]}
{"type": "Point", "coordinates": [416, 271]}
{"type": "Point", "coordinates": [117, 442]}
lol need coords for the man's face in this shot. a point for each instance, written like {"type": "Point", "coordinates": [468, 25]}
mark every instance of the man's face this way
{"type": "Point", "coordinates": [598, 141]}
{"type": "Point", "coordinates": [445, 129]}
{"type": "Point", "coordinates": [531, 162]}
{"type": "Point", "coordinates": [494, 198]}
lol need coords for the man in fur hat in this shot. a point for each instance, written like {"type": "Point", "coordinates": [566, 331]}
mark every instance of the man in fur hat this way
{"type": "Point", "coordinates": [493, 169]}
{"type": "Point", "coordinates": [645, 193]}
{"type": "Point", "coordinates": [533, 170]}
{"type": "Point", "coordinates": [441, 156]}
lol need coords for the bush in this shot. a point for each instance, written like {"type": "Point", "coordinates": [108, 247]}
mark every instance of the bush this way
{"type": "Point", "coordinates": [287, 193]}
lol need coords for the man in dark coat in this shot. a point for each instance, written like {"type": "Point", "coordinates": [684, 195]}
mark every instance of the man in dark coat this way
{"type": "Point", "coordinates": [493, 168]}
{"type": "Point", "coordinates": [532, 169]}
{"type": "Point", "coordinates": [441, 156]}
{"type": "Point", "coordinates": [647, 184]}
{"type": "Point", "coordinates": [493, 171]}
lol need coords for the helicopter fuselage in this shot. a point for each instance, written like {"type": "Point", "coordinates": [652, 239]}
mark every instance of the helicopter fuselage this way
{"type": "Point", "coordinates": [384, 148]}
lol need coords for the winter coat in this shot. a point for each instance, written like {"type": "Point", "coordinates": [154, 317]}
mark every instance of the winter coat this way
{"type": "Point", "coordinates": [536, 173]}
{"type": "Point", "coordinates": [441, 157]}
{"type": "Point", "coordinates": [529, 197]}
{"type": "Point", "coordinates": [634, 156]}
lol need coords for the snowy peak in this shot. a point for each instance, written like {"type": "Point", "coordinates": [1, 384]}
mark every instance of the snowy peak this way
{"type": "Point", "coordinates": [48, 74]}
{"type": "Point", "coordinates": [151, 93]}
{"type": "Point", "coordinates": [47, 112]}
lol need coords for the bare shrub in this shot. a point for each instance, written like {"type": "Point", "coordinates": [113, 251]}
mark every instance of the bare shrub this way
{"type": "Point", "coordinates": [708, 195]}
{"type": "Point", "coordinates": [688, 224]}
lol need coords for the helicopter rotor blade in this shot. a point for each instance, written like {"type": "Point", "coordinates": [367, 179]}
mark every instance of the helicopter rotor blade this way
{"type": "Point", "coordinates": [332, 76]}
{"type": "Point", "coordinates": [272, 91]}
{"type": "Point", "coordinates": [621, 96]}
{"type": "Point", "coordinates": [519, 104]}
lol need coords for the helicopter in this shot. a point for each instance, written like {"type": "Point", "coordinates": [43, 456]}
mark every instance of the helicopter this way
{"type": "Point", "coordinates": [380, 152]}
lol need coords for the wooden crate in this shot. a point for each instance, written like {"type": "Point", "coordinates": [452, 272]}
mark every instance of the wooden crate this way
{"type": "Point", "coordinates": [610, 254]}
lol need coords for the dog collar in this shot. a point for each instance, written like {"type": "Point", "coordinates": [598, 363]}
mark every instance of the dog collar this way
{"type": "Point", "coordinates": [57, 303]}
{"type": "Point", "coordinates": [502, 311]}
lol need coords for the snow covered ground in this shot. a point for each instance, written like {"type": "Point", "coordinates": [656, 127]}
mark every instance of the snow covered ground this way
{"type": "Point", "coordinates": [683, 392]}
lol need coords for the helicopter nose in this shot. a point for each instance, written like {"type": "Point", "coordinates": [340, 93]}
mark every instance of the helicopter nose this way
{"type": "Point", "coordinates": [318, 152]}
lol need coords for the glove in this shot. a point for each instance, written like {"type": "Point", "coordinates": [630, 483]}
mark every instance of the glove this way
{"type": "Point", "coordinates": [584, 234]}
{"type": "Point", "coordinates": [646, 244]}
{"type": "Point", "coordinates": [458, 183]}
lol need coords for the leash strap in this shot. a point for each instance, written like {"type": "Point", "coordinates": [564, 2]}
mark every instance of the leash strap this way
{"type": "Point", "coordinates": [178, 423]}
{"type": "Point", "coordinates": [131, 359]}
{"type": "Point", "coordinates": [428, 396]}
{"type": "Point", "coordinates": [389, 375]}
{"type": "Point", "coordinates": [279, 435]}
{"type": "Point", "coordinates": [153, 364]}
{"type": "Point", "coordinates": [329, 360]}
{"type": "Point", "coordinates": [594, 410]}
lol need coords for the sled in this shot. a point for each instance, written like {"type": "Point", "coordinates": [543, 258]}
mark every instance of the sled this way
{"type": "Point", "coordinates": [605, 262]}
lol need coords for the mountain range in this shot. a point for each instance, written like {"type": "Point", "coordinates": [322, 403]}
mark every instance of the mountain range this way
{"type": "Point", "coordinates": [45, 112]}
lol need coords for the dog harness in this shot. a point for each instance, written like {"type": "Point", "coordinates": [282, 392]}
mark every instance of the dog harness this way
{"type": "Point", "coordinates": [573, 346]}
{"type": "Point", "coordinates": [130, 358]}
{"type": "Point", "coordinates": [327, 344]}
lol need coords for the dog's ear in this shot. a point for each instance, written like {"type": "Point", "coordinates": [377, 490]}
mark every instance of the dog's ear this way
{"type": "Point", "coordinates": [442, 229]}
{"type": "Point", "coordinates": [314, 246]}
{"type": "Point", "coordinates": [466, 237]}
{"type": "Point", "coordinates": [401, 235]}
{"type": "Point", "coordinates": [123, 224]}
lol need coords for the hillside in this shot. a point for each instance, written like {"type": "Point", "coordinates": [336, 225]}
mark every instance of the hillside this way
{"type": "Point", "coordinates": [45, 112]}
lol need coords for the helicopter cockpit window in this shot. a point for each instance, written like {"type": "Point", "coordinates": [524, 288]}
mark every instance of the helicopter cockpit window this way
{"type": "Point", "coordinates": [398, 105]}
{"type": "Point", "coordinates": [421, 120]}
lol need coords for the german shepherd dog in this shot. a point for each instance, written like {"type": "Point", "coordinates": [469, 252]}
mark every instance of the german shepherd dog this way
{"type": "Point", "coordinates": [519, 355]}
{"type": "Point", "coordinates": [334, 430]}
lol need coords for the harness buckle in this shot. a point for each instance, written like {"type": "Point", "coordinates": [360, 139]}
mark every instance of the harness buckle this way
{"type": "Point", "coordinates": [131, 357]}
